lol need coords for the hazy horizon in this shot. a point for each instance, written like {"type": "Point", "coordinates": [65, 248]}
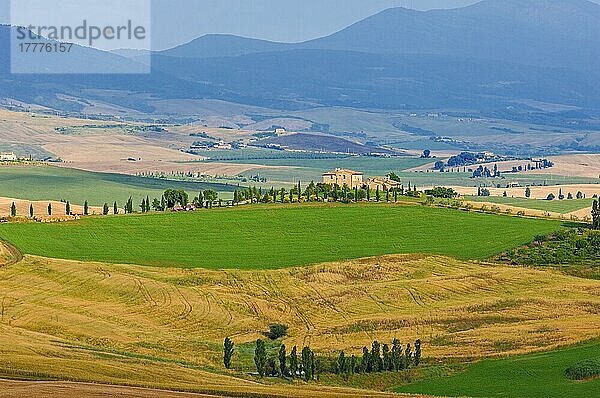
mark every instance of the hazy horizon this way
{"type": "Point", "coordinates": [283, 21]}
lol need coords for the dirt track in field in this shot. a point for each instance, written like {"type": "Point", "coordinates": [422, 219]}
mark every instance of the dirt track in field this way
{"type": "Point", "coordinates": [59, 389]}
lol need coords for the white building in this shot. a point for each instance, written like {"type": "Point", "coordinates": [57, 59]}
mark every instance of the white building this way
{"type": "Point", "coordinates": [8, 157]}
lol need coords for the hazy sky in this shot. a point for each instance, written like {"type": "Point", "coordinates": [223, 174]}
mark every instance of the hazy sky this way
{"type": "Point", "coordinates": [177, 21]}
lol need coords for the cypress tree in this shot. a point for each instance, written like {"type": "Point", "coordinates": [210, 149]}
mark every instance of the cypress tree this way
{"type": "Point", "coordinates": [13, 210]}
{"type": "Point", "coordinates": [115, 209]}
{"type": "Point", "coordinates": [163, 206]}
{"type": "Point", "coordinates": [49, 209]}
{"type": "Point", "coordinates": [377, 363]}
{"type": "Point", "coordinates": [307, 366]}
{"type": "Point", "coordinates": [294, 361]}
{"type": "Point", "coordinates": [86, 209]}
{"type": "Point", "coordinates": [407, 355]}
{"type": "Point", "coordinates": [417, 352]}
{"type": "Point", "coordinates": [31, 210]}
{"type": "Point", "coordinates": [143, 205]}
{"type": "Point", "coordinates": [596, 215]}
{"type": "Point", "coordinates": [313, 365]}
{"type": "Point", "coordinates": [364, 361]}
{"type": "Point", "coordinates": [68, 208]}
{"type": "Point", "coordinates": [353, 364]}
{"type": "Point", "coordinates": [105, 209]}
{"type": "Point", "coordinates": [147, 204]}
{"type": "Point", "coordinates": [227, 352]}
{"type": "Point", "coordinates": [377, 194]}
{"type": "Point", "coordinates": [282, 360]}
{"type": "Point", "coordinates": [396, 355]}
{"type": "Point", "coordinates": [387, 358]}
{"type": "Point", "coordinates": [341, 363]}
{"type": "Point", "coordinates": [260, 357]}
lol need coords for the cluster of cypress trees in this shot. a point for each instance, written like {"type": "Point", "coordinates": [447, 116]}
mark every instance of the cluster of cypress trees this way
{"type": "Point", "coordinates": [308, 366]}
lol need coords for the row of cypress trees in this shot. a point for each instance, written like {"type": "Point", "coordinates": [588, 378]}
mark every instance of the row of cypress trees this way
{"type": "Point", "coordinates": [308, 366]}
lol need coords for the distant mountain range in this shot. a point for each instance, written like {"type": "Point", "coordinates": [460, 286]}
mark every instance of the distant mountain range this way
{"type": "Point", "coordinates": [485, 56]}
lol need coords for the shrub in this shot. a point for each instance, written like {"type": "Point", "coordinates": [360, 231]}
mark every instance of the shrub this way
{"type": "Point", "coordinates": [584, 370]}
{"type": "Point", "coordinates": [277, 330]}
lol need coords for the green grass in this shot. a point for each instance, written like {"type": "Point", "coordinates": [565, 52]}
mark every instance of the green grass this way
{"type": "Point", "coordinates": [532, 376]}
{"type": "Point", "coordinates": [275, 237]}
{"type": "Point", "coordinates": [56, 183]}
{"type": "Point", "coordinates": [557, 206]}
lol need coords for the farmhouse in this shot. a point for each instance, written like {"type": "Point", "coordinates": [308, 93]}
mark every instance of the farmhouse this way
{"type": "Point", "coordinates": [341, 177]}
{"type": "Point", "coordinates": [383, 184]}
{"type": "Point", "coordinates": [8, 157]}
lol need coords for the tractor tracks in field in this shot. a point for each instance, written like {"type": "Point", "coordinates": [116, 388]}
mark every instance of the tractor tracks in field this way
{"type": "Point", "coordinates": [14, 255]}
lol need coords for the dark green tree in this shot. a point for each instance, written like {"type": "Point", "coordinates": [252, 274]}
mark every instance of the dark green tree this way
{"type": "Point", "coordinates": [377, 194]}
{"type": "Point", "coordinates": [387, 358]}
{"type": "Point", "coordinates": [417, 356]}
{"type": "Point", "coordinates": [31, 210]}
{"type": "Point", "coordinates": [282, 361]}
{"type": "Point", "coordinates": [105, 209]}
{"type": "Point", "coordinates": [68, 208]}
{"type": "Point", "coordinates": [341, 363]}
{"type": "Point", "coordinates": [86, 208]}
{"type": "Point", "coordinates": [407, 355]}
{"type": "Point", "coordinates": [528, 192]}
{"type": "Point", "coordinates": [129, 206]}
{"type": "Point", "coordinates": [365, 361]}
{"type": "Point", "coordinates": [227, 352]}
{"type": "Point", "coordinates": [595, 215]}
{"type": "Point", "coordinates": [143, 205]}
{"type": "Point", "coordinates": [294, 361]}
{"type": "Point", "coordinates": [163, 204]}
{"type": "Point", "coordinates": [115, 208]}
{"type": "Point", "coordinates": [156, 205]}
{"type": "Point", "coordinates": [49, 209]}
{"type": "Point", "coordinates": [307, 364]}
{"type": "Point", "coordinates": [13, 210]}
{"type": "Point", "coordinates": [147, 204]}
{"type": "Point", "coordinates": [376, 357]}
{"type": "Point", "coordinates": [397, 355]}
{"type": "Point", "coordinates": [260, 357]}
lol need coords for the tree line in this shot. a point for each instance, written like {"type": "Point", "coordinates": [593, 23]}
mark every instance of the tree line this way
{"type": "Point", "coordinates": [309, 366]}
{"type": "Point", "coordinates": [320, 192]}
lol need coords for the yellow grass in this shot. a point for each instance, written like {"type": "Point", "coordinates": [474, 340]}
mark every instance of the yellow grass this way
{"type": "Point", "coordinates": [163, 328]}
{"type": "Point", "coordinates": [579, 165]}
{"type": "Point", "coordinates": [107, 150]}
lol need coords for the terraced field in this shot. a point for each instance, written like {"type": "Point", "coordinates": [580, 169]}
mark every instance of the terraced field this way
{"type": "Point", "coordinates": [268, 237]}
{"type": "Point", "coordinates": [162, 327]}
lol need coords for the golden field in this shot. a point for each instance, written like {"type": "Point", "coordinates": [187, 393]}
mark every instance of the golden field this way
{"type": "Point", "coordinates": [163, 327]}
